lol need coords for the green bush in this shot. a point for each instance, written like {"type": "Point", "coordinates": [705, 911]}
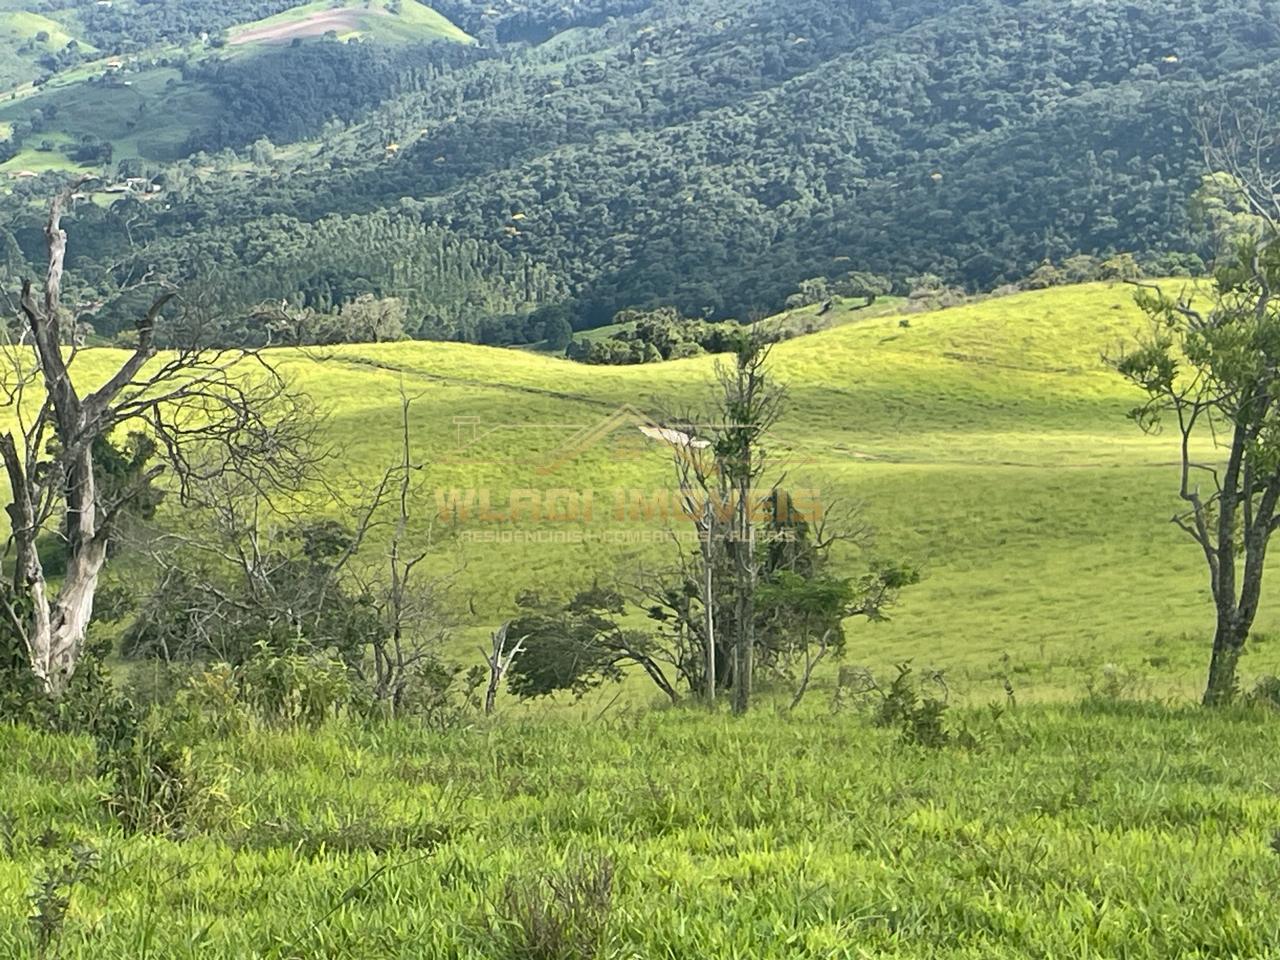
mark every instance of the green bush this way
{"type": "Point", "coordinates": [559, 916]}
{"type": "Point", "coordinates": [214, 697]}
{"type": "Point", "coordinates": [1114, 684]}
{"type": "Point", "coordinates": [1266, 692]}
{"type": "Point", "coordinates": [919, 717]}
{"type": "Point", "coordinates": [50, 898]}
{"type": "Point", "coordinates": [294, 688]}
{"type": "Point", "coordinates": [90, 704]}
{"type": "Point", "coordinates": [153, 782]}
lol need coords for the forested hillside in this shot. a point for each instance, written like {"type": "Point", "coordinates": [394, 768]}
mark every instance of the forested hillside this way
{"type": "Point", "coordinates": [707, 154]}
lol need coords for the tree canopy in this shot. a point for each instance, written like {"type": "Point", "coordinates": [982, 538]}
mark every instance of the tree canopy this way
{"type": "Point", "coordinates": [708, 155]}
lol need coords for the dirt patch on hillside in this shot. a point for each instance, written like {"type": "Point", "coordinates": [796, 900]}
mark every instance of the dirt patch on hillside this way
{"type": "Point", "coordinates": [316, 25]}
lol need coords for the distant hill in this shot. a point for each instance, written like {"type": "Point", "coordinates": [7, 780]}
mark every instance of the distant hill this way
{"type": "Point", "coordinates": [30, 41]}
{"type": "Point", "coordinates": [156, 101]}
{"type": "Point", "coordinates": [392, 20]}
{"type": "Point", "coordinates": [709, 154]}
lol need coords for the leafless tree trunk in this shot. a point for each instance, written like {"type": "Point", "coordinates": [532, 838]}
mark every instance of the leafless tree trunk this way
{"type": "Point", "coordinates": [695, 468]}
{"type": "Point", "coordinates": [189, 400]}
{"type": "Point", "coordinates": [811, 663]}
{"type": "Point", "coordinates": [393, 658]}
{"type": "Point", "coordinates": [499, 661]}
{"type": "Point", "coordinates": [708, 604]}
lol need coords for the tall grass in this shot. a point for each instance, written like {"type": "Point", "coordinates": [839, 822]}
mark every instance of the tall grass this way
{"type": "Point", "coordinates": [1106, 829]}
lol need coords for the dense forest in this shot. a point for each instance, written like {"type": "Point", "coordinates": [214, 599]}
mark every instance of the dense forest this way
{"type": "Point", "coordinates": [532, 20]}
{"type": "Point", "coordinates": [286, 95]}
{"type": "Point", "coordinates": [124, 27]}
{"type": "Point", "coordinates": [709, 155]}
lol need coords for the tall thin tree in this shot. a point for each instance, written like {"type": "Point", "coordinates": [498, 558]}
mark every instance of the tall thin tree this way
{"type": "Point", "coordinates": [1211, 365]}
{"type": "Point", "coordinates": [750, 405]}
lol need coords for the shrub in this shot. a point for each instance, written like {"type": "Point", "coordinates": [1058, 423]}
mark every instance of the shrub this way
{"type": "Point", "coordinates": [294, 688]}
{"type": "Point", "coordinates": [1122, 266]}
{"type": "Point", "coordinates": [440, 695]}
{"type": "Point", "coordinates": [1114, 683]}
{"type": "Point", "coordinates": [1044, 276]}
{"type": "Point", "coordinates": [1266, 692]}
{"type": "Point", "coordinates": [51, 897]}
{"type": "Point", "coordinates": [919, 717]}
{"type": "Point", "coordinates": [214, 698]}
{"type": "Point", "coordinates": [90, 704]}
{"type": "Point", "coordinates": [154, 785]}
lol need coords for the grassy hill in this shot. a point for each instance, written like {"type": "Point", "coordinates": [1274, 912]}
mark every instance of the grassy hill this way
{"type": "Point", "coordinates": [25, 36]}
{"type": "Point", "coordinates": [987, 443]}
{"type": "Point", "coordinates": [146, 107]}
{"type": "Point", "coordinates": [392, 20]}
{"type": "Point", "coordinates": [148, 114]}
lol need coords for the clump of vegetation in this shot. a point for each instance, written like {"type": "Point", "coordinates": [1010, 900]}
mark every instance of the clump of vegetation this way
{"type": "Point", "coordinates": [915, 706]}
{"type": "Point", "coordinates": [559, 916]}
{"type": "Point", "coordinates": [1114, 683]}
{"type": "Point", "coordinates": [757, 595]}
{"type": "Point", "coordinates": [1266, 692]}
{"type": "Point", "coordinates": [350, 835]}
{"type": "Point", "coordinates": [651, 336]}
{"type": "Point", "coordinates": [294, 688]}
{"type": "Point", "coordinates": [154, 783]}
{"type": "Point", "coordinates": [51, 898]}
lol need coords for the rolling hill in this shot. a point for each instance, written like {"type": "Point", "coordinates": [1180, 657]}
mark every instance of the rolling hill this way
{"type": "Point", "coordinates": [391, 20]}
{"type": "Point", "coordinates": [28, 39]}
{"type": "Point", "coordinates": [987, 443]}
{"type": "Point", "coordinates": [711, 155]}
{"type": "Point", "coordinates": [148, 103]}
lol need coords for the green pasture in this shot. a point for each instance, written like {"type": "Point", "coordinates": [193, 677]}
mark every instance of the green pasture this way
{"type": "Point", "coordinates": [377, 19]}
{"type": "Point", "coordinates": [1083, 807]}
{"type": "Point", "coordinates": [1100, 830]}
{"type": "Point", "coordinates": [987, 444]}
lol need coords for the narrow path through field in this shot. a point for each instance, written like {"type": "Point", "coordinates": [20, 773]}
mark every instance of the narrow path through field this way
{"type": "Point", "coordinates": [862, 456]}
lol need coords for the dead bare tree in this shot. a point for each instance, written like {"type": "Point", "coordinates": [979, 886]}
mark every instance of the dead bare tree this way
{"type": "Point", "coordinates": [499, 659]}
{"type": "Point", "coordinates": [210, 412]}
{"type": "Point", "coordinates": [1243, 142]}
{"type": "Point", "coordinates": [703, 496]}
{"type": "Point", "coordinates": [406, 604]}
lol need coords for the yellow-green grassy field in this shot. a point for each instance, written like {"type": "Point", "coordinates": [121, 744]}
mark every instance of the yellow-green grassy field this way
{"type": "Point", "coordinates": [988, 443]}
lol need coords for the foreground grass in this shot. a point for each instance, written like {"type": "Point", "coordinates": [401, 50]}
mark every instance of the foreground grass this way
{"type": "Point", "coordinates": [1104, 830]}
